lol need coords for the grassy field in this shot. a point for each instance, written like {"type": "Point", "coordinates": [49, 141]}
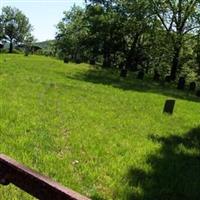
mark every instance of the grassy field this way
{"type": "Point", "coordinates": [104, 137]}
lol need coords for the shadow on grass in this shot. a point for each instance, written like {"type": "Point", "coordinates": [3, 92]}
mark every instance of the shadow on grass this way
{"type": "Point", "coordinates": [111, 77]}
{"type": "Point", "coordinates": [175, 170]}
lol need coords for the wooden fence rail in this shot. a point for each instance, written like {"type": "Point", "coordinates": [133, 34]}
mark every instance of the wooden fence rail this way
{"type": "Point", "coordinates": [34, 183]}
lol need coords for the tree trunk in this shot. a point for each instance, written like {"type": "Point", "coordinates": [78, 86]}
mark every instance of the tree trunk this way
{"type": "Point", "coordinates": [93, 56]}
{"type": "Point", "coordinates": [175, 62]}
{"type": "Point", "coordinates": [76, 54]}
{"type": "Point", "coordinates": [198, 55]}
{"type": "Point", "coordinates": [130, 59]}
{"type": "Point", "coordinates": [11, 46]}
{"type": "Point", "coordinates": [198, 71]}
{"type": "Point", "coordinates": [106, 56]}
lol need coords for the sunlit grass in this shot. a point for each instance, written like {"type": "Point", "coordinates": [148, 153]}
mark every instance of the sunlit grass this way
{"type": "Point", "coordinates": [63, 121]}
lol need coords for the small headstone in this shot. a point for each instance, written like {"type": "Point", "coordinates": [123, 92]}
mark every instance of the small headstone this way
{"type": "Point", "coordinates": [192, 86]}
{"type": "Point", "coordinates": [156, 76]}
{"type": "Point", "coordinates": [92, 61]}
{"type": "Point", "coordinates": [123, 72]}
{"type": "Point", "coordinates": [140, 75]}
{"type": "Point", "coordinates": [181, 83]}
{"type": "Point", "coordinates": [169, 106]}
{"type": "Point", "coordinates": [198, 93]}
{"type": "Point", "coordinates": [168, 79]}
{"type": "Point", "coordinates": [78, 61]}
{"type": "Point", "coordinates": [66, 60]}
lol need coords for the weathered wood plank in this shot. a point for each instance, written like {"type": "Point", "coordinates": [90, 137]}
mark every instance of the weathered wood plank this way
{"type": "Point", "coordinates": [34, 183]}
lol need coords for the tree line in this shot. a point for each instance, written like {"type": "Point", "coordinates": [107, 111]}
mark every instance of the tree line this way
{"type": "Point", "coordinates": [160, 36]}
{"type": "Point", "coordinates": [150, 35]}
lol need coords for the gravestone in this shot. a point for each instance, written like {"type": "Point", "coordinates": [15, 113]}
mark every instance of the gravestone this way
{"type": "Point", "coordinates": [168, 79]}
{"type": "Point", "coordinates": [92, 61]}
{"type": "Point", "coordinates": [78, 61]}
{"type": "Point", "coordinates": [192, 86]}
{"type": "Point", "coordinates": [169, 106]}
{"type": "Point", "coordinates": [156, 76]}
{"type": "Point", "coordinates": [123, 72]}
{"type": "Point", "coordinates": [198, 93]}
{"type": "Point", "coordinates": [181, 83]}
{"type": "Point", "coordinates": [66, 60]}
{"type": "Point", "coordinates": [140, 75]}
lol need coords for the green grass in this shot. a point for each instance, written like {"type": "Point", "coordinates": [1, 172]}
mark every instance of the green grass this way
{"type": "Point", "coordinates": [104, 137]}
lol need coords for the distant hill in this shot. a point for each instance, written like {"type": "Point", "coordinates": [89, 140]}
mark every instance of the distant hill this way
{"type": "Point", "coordinates": [44, 44]}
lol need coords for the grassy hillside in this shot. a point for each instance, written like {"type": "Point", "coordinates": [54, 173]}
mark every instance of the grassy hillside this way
{"type": "Point", "coordinates": [101, 136]}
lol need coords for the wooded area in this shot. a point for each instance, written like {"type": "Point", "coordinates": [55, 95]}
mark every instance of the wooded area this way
{"type": "Point", "coordinates": [150, 35]}
{"type": "Point", "coordinates": [153, 36]}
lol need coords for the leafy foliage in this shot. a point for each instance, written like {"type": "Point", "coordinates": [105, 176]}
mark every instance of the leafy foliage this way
{"type": "Point", "coordinates": [148, 35]}
{"type": "Point", "coordinates": [15, 26]}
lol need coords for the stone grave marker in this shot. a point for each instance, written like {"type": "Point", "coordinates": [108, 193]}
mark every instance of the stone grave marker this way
{"type": "Point", "coordinates": [156, 76]}
{"type": "Point", "coordinates": [168, 79]}
{"type": "Point", "coordinates": [78, 61]}
{"type": "Point", "coordinates": [192, 86]}
{"type": "Point", "coordinates": [198, 93]}
{"type": "Point", "coordinates": [66, 60]}
{"type": "Point", "coordinates": [92, 61]}
{"type": "Point", "coordinates": [169, 106]}
{"type": "Point", "coordinates": [181, 83]}
{"type": "Point", "coordinates": [123, 72]}
{"type": "Point", "coordinates": [140, 75]}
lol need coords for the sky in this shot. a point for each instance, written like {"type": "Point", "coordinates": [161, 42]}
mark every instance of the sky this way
{"type": "Point", "coordinates": [43, 14]}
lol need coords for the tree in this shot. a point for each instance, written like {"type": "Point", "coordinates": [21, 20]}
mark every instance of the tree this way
{"type": "Point", "coordinates": [178, 18]}
{"type": "Point", "coordinates": [1, 32]}
{"type": "Point", "coordinates": [16, 26]}
{"type": "Point", "coordinates": [28, 42]}
{"type": "Point", "coordinates": [119, 27]}
{"type": "Point", "coordinates": [72, 32]}
{"type": "Point", "coordinates": [104, 25]}
{"type": "Point", "coordinates": [137, 22]}
{"type": "Point", "coordinates": [1, 28]}
{"type": "Point", "coordinates": [152, 35]}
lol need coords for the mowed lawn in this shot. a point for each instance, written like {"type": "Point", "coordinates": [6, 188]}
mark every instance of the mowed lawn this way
{"type": "Point", "coordinates": [97, 134]}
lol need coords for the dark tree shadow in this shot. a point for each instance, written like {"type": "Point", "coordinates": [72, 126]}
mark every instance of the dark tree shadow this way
{"type": "Point", "coordinates": [111, 77]}
{"type": "Point", "coordinates": [175, 173]}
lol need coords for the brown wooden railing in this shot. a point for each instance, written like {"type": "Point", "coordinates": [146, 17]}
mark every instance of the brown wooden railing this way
{"type": "Point", "coordinates": [34, 183]}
